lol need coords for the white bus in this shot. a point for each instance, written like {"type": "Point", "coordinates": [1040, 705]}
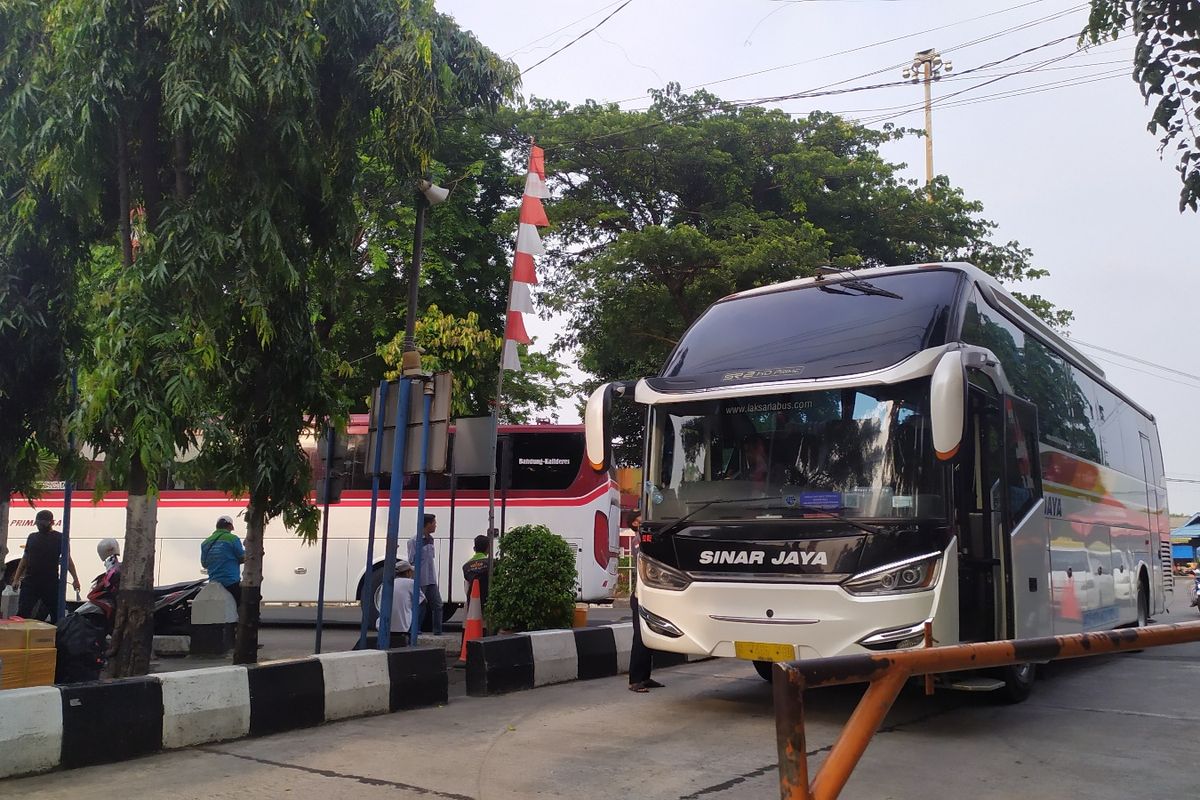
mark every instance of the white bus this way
{"type": "Point", "coordinates": [549, 484]}
{"type": "Point", "coordinates": [833, 461]}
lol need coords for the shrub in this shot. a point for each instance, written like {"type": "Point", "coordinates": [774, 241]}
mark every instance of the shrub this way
{"type": "Point", "coordinates": [533, 584]}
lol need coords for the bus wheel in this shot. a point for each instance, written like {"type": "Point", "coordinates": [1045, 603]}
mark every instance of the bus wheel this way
{"type": "Point", "coordinates": [1018, 683]}
{"type": "Point", "coordinates": [764, 669]}
{"type": "Point", "coordinates": [1143, 601]}
{"type": "Point", "coordinates": [376, 579]}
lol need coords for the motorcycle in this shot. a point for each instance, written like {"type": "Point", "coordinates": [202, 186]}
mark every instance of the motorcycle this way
{"type": "Point", "coordinates": [83, 635]}
{"type": "Point", "coordinates": [1196, 589]}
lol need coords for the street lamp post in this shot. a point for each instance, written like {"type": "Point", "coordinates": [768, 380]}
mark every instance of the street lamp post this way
{"type": "Point", "coordinates": [430, 195]}
{"type": "Point", "coordinates": [927, 67]}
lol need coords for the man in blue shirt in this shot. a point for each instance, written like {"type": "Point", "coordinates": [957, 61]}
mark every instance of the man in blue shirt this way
{"type": "Point", "coordinates": [427, 580]}
{"type": "Point", "coordinates": [222, 554]}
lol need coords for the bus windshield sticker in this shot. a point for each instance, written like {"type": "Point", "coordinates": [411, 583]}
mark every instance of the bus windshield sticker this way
{"type": "Point", "coordinates": [822, 500]}
{"type": "Point", "coordinates": [902, 501]}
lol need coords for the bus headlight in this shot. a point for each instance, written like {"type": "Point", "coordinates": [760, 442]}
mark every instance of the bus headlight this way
{"type": "Point", "coordinates": [910, 575]}
{"type": "Point", "coordinates": [658, 575]}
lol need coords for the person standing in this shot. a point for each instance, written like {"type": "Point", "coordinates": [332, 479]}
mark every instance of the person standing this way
{"type": "Point", "coordinates": [37, 575]}
{"type": "Point", "coordinates": [641, 658]}
{"type": "Point", "coordinates": [402, 595]}
{"type": "Point", "coordinates": [222, 555]}
{"type": "Point", "coordinates": [477, 568]}
{"type": "Point", "coordinates": [428, 576]}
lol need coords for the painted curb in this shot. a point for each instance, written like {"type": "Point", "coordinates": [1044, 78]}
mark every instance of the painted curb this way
{"type": "Point", "coordinates": [500, 664]}
{"type": "Point", "coordinates": [356, 684]}
{"type": "Point", "coordinates": [102, 722]}
{"type": "Point", "coordinates": [32, 731]}
{"type": "Point", "coordinates": [205, 705]}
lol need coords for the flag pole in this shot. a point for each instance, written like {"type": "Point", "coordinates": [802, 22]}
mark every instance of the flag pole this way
{"type": "Point", "coordinates": [492, 532]}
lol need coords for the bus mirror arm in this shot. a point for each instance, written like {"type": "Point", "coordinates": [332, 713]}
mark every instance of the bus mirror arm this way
{"type": "Point", "coordinates": [948, 404]}
{"type": "Point", "coordinates": [597, 421]}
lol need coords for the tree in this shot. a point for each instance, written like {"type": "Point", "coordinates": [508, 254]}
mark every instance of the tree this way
{"type": "Point", "coordinates": [658, 213]}
{"type": "Point", "coordinates": [534, 585]}
{"type": "Point", "coordinates": [215, 150]}
{"type": "Point", "coordinates": [462, 346]}
{"type": "Point", "coordinates": [1166, 65]}
{"type": "Point", "coordinates": [39, 246]}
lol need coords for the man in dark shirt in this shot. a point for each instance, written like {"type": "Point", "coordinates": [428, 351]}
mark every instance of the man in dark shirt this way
{"type": "Point", "coordinates": [37, 574]}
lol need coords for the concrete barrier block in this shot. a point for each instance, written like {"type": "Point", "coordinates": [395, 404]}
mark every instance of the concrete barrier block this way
{"type": "Point", "coordinates": [597, 652]}
{"type": "Point", "coordinates": [205, 705]}
{"type": "Point", "coordinates": [623, 636]}
{"type": "Point", "coordinates": [555, 659]}
{"type": "Point", "coordinates": [213, 605]}
{"type": "Point", "coordinates": [356, 683]}
{"type": "Point", "coordinates": [172, 645]}
{"type": "Point", "coordinates": [286, 695]}
{"type": "Point", "coordinates": [109, 721]}
{"type": "Point", "coordinates": [418, 677]}
{"type": "Point", "coordinates": [31, 730]}
{"type": "Point", "coordinates": [498, 664]}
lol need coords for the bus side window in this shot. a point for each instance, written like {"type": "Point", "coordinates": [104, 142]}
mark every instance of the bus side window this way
{"type": "Point", "coordinates": [1024, 468]}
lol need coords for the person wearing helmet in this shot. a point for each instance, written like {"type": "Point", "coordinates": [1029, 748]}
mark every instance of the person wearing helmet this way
{"type": "Point", "coordinates": [222, 555]}
{"type": "Point", "coordinates": [109, 551]}
{"type": "Point", "coordinates": [36, 577]}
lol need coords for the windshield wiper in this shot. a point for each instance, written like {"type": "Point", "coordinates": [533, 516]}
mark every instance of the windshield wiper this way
{"type": "Point", "coordinates": [862, 526]}
{"type": "Point", "coordinates": [677, 524]}
{"type": "Point", "coordinates": [860, 286]}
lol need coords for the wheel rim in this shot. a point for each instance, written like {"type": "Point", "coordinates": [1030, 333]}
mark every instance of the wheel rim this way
{"type": "Point", "coordinates": [1024, 673]}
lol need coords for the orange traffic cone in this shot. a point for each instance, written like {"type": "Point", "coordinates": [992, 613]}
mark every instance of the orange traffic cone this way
{"type": "Point", "coordinates": [473, 626]}
{"type": "Point", "coordinates": [1069, 608]}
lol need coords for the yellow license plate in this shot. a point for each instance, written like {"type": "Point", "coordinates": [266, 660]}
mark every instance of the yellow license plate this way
{"type": "Point", "coordinates": [764, 651]}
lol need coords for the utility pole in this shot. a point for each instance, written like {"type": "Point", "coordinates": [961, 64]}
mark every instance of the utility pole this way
{"type": "Point", "coordinates": [927, 67]}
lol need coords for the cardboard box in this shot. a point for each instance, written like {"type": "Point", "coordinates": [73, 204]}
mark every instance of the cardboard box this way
{"type": "Point", "coordinates": [24, 668]}
{"type": "Point", "coordinates": [26, 634]}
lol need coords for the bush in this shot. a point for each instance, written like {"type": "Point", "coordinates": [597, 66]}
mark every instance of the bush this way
{"type": "Point", "coordinates": [533, 585]}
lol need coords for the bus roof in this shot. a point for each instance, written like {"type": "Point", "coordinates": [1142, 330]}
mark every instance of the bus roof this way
{"type": "Point", "coordinates": [360, 423]}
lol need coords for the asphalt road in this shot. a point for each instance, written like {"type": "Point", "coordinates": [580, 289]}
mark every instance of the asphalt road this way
{"type": "Point", "coordinates": [1106, 727]}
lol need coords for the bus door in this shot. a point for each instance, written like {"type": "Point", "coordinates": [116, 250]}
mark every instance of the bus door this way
{"type": "Point", "coordinates": [1002, 486]}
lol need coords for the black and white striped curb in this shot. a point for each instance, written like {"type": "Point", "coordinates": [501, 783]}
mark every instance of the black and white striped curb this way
{"type": "Point", "coordinates": [106, 721]}
{"type": "Point", "coordinates": [499, 664]}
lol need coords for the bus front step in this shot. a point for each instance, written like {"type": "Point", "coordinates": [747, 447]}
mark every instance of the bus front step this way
{"type": "Point", "coordinates": [976, 683]}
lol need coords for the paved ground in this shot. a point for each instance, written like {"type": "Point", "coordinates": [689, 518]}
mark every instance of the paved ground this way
{"type": "Point", "coordinates": [1108, 727]}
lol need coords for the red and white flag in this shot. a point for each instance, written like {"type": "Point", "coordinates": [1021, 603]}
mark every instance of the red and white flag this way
{"type": "Point", "coordinates": [529, 244]}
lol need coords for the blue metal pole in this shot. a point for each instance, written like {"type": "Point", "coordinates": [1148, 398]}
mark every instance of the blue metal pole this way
{"type": "Point", "coordinates": [416, 620]}
{"type": "Point", "coordinates": [331, 436]}
{"type": "Point", "coordinates": [395, 495]}
{"type": "Point", "coordinates": [367, 589]}
{"type": "Point", "coordinates": [64, 556]}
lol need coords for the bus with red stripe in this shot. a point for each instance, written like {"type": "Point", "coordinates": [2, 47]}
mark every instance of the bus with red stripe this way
{"type": "Point", "coordinates": [549, 484]}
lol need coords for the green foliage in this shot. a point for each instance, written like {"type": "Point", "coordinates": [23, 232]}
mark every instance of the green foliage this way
{"type": "Point", "coordinates": [659, 213]}
{"type": "Point", "coordinates": [533, 585]}
{"type": "Point", "coordinates": [1166, 66]}
{"type": "Point", "coordinates": [472, 353]}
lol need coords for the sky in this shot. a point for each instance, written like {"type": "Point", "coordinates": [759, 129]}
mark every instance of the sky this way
{"type": "Point", "coordinates": [1058, 155]}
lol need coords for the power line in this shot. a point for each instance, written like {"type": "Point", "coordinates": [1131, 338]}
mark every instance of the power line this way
{"type": "Point", "coordinates": [577, 38]}
{"type": "Point", "coordinates": [600, 10]}
{"type": "Point", "coordinates": [847, 51]}
{"type": "Point", "coordinates": [1135, 358]}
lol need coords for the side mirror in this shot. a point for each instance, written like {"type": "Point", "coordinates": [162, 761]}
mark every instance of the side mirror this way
{"type": "Point", "coordinates": [597, 423]}
{"type": "Point", "coordinates": [948, 404]}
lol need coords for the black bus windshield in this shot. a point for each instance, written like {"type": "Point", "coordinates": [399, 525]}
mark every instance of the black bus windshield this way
{"type": "Point", "coordinates": [864, 452]}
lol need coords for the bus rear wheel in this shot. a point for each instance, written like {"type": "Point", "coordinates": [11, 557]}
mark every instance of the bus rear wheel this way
{"type": "Point", "coordinates": [765, 669]}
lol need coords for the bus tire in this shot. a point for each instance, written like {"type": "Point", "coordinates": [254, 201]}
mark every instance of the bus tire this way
{"type": "Point", "coordinates": [1018, 683]}
{"type": "Point", "coordinates": [376, 578]}
{"type": "Point", "coordinates": [1143, 601]}
{"type": "Point", "coordinates": [765, 669]}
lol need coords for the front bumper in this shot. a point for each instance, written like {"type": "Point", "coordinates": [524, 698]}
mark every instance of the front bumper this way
{"type": "Point", "coordinates": [821, 620]}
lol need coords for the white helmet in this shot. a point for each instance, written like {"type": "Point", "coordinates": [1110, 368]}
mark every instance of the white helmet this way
{"type": "Point", "coordinates": [108, 548]}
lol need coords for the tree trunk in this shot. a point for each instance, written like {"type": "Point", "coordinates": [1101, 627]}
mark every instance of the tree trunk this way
{"type": "Point", "coordinates": [133, 636]}
{"type": "Point", "coordinates": [245, 645]}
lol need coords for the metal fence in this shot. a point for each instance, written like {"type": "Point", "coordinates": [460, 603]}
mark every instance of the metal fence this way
{"type": "Point", "coordinates": [888, 672]}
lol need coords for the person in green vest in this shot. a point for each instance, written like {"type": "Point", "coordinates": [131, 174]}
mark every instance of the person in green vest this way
{"type": "Point", "coordinates": [476, 569]}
